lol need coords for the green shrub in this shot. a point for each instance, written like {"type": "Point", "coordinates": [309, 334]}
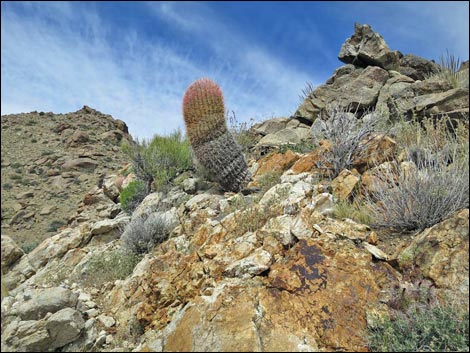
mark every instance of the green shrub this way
{"type": "Point", "coordinates": [7, 186]}
{"type": "Point", "coordinates": [159, 160]}
{"type": "Point", "coordinates": [422, 329]}
{"type": "Point", "coordinates": [132, 195]}
{"type": "Point", "coordinates": [28, 247]}
{"type": "Point", "coordinates": [109, 267]}
{"type": "Point", "coordinates": [55, 225]}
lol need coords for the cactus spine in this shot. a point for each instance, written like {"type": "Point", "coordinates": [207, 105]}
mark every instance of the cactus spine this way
{"type": "Point", "coordinates": [213, 145]}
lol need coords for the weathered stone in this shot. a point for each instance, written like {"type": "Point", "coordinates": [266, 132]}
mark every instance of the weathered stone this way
{"type": "Point", "coordinates": [358, 90]}
{"type": "Point", "coordinates": [10, 252]}
{"type": "Point", "coordinates": [252, 265]}
{"type": "Point", "coordinates": [79, 164]}
{"type": "Point", "coordinates": [374, 151]}
{"type": "Point", "coordinates": [279, 138]}
{"type": "Point", "coordinates": [270, 126]}
{"type": "Point", "coordinates": [441, 254]}
{"type": "Point", "coordinates": [48, 334]}
{"type": "Point", "coordinates": [276, 162]}
{"type": "Point", "coordinates": [416, 67]}
{"type": "Point", "coordinates": [107, 321]}
{"type": "Point", "coordinates": [108, 225]}
{"type": "Point", "coordinates": [366, 47]}
{"type": "Point", "coordinates": [344, 184]}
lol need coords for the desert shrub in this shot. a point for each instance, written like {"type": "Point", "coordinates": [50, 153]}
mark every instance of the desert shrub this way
{"type": "Point", "coordinates": [55, 225]}
{"type": "Point", "coordinates": [422, 196]}
{"type": "Point", "coordinates": [241, 132]}
{"type": "Point", "coordinates": [432, 188]}
{"type": "Point", "coordinates": [302, 147]}
{"type": "Point", "coordinates": [160, 159]}
{"type": "Point", "coordinates": [108, 267]}
{"type": "Point", "coordinates": [347, 135]}
{"type": "Point", "coordinates": [448, 70]}
{"type": "Point", "coordinates": [7, 186]}
{"type": "Point", "coordinates": [143, 232]}
{"type": "Point", "coordinates": [357, 211]}
{"type": "Point", "coordinates": [132, 195]}
{"type": "Point", "coordinates": [306, 91]}
{"type": "Point", "coordinates": [28, 247]}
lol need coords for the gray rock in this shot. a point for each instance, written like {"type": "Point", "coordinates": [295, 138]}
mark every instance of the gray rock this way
{"type": "Point", "coordinates": [259, 261]}
{"type": "Point", "coordinates": [358, 90]}
{"type": "Point", "coordinates": [43, 301]}
{"type": "Point", "coordinates": [107, 321]}
{"type": "Point", "coordinates": [270, 126]}
{"type": "Point", "coordinates": [64, 327]}
{"type": "Point", "coordinates": [366, 47]}
{"type": "Point", "coordinates": [10, 251]}
{"type": "Point", "coordinates": [56, 331]}
{"type": "Point", "coordinates": [416, 67]}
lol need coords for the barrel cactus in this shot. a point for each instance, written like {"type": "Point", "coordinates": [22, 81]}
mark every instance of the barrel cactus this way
{"type": "Point", "coordinates": [213, 145]}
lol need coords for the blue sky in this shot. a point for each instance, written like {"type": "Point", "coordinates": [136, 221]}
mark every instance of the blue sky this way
{"type": "Point", "coordinates": [134, 60]}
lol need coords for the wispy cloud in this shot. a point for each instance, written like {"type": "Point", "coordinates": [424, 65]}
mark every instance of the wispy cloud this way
{"type": "Point", "coordinates": [61, 65]}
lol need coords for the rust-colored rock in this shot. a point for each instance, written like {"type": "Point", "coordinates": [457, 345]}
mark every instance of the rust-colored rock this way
{"type": "Point", "coordinates": [276, 162]}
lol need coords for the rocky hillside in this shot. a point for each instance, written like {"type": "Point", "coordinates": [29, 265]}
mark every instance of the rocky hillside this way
{"type": "Point", "coordinates": [49, 161]}
{"type": "Point", "coordinates": [290, 263]}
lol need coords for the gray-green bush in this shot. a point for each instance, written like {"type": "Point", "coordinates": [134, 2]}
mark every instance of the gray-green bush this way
{"type": "Point", "coordinates": [145, 231]}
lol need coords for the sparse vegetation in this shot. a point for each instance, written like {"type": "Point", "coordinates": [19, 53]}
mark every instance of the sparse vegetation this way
{"type": "Point", "coordinates": [55, 225]}
{"type": "Point", "coordinates": [109, 267]}
{"type": "Point", "coordinates": [158, 161]}
{"type": "Point", "coordinates": [418, 323]}
{"type": "Point", "coordinates": [302, 147]}
{"type": "Point", "coordinates": [357, 211]}
{"type": "Point", "coordinates": [7, 186]}
{"type": "Point", "coordinates": [449, 66]}
{"type": "Point", "coordinates": [432, 187]}
{"type": "Point", "coordinates": [347, 135]}
{"type": "Point", "coordinates": [132, 195]}
{"type": "Point", "coordinates": [241, 132]}
{"type": "Point", "coordinates": [144, 232]}
{"type": "Point", "coordinates": [306, 91]}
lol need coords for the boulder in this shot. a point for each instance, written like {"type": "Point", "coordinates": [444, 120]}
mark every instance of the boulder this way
{"type": "Point", "coordinates": [11, 252]}
{"type": "Point", "coordinates": [366, 47]}
{"type": "Point", "coordinates": [43, 301]}
{"type": "Point", "coordinates": [440, 253]}
{"type": "Point", "coordinates": [358, 90]}
{"type": "Point", "coordinates": [416, 67]}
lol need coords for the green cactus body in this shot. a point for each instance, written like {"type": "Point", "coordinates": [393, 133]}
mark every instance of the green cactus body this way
{"type": "Point", "coordinates": [213, 145]}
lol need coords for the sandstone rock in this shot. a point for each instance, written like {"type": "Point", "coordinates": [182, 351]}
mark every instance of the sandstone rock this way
{"type": "Point", "coordinates": [64, 327]}
{"type": "Point", "coordinates": [441, 254]}
{"type": "Point", "coordinates": [190, 185]}
{"type": "Point", "coordinates": [374, 151]}
{"type": "Point", "coordinates": [366, 47]}
{"type": "Point", "coordinates": [110, 187]}
{"type": "Point", "coordinates": [107, 321]}
{"type": "Point", "coordinates": [323, 203]}
{"type": "Point", "coordinates": [280, 228]}
{"type": "Point", "coordinates": [11, 252]}
{"type": "Point", "coordinates": [256, 263]}
{"type": "Point", "coordinates": [78, 137]}
{"type": "Point", "coordinates": [276, 162]}
{"type": "Point", "coordinates": [108, 225]}
{"type": "Point", "coordinates": [344, 184]}
{"type": "Point", "coordinates": [47, 210]}
{"type": "Point", "coordinates": [279, 138]}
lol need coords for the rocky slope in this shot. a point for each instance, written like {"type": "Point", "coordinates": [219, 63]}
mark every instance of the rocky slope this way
{"type": "Point", "coordinates": [271, 270]}
{"type": "Point", "coordinates": [48, 162]}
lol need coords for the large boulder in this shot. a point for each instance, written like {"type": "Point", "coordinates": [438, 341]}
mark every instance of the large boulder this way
{"type": "Point", "coordinates": [366, 47]}
{"type": "Point", "coordinates": [416, 67]}
{"type": "Point", "coordinates": [354, 91]}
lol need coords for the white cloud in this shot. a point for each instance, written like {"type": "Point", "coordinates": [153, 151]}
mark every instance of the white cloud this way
{"type": "Point", "coordinates": [61, 65]}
